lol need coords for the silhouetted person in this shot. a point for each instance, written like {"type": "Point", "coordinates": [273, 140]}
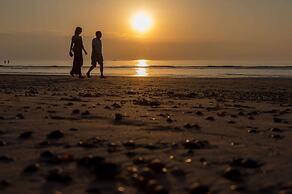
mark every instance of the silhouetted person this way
{"type": "Point", "coordinates": [77, 48]}
{"type": "Point", "coordinates": [4, 61]}
{"type": "Point", "coordinates": [8, 61]}
{"type": "Point", "coordinates": [96, 55]}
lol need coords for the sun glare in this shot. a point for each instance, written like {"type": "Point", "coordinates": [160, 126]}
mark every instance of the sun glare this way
{"type": "Point", "coordinates": [142, 22]}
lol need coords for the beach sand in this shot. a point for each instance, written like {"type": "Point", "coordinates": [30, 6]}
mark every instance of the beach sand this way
{"type": "Point", "coordinates": [145, 135]}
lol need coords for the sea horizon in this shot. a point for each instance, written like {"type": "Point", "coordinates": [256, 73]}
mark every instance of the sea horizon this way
{"type": "Point", "coordinates": [158, 68]}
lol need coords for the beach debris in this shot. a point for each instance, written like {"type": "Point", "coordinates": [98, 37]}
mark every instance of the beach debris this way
{"type": "Point", "coordinates": [57, 134]}
{"type": "Point", "coordinates": [26, 135]}
{"type": "Point", "coordinates": [32, 168]}
{"type": "Point", "coordinates": [58, 175]}
{"type": "Point", "coordinates": [198, 188]}
{"type": "Point", "coordinates": [232, 174]}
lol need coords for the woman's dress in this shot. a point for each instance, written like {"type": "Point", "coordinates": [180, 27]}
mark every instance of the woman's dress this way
{"type": "Point", "coordinates": [78, 57]}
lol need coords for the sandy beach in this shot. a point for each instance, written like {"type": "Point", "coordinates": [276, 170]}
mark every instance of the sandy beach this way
{"type": "Point", "coordinates": [145, 135]}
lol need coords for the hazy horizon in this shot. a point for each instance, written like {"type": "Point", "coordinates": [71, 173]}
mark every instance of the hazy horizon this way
{"type": "Point", "coordinates": [34, 30]}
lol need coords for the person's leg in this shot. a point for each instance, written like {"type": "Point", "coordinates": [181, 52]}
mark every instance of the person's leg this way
{"type": "Point", "coordinates": [90, 70]}
{"type": "Point", "coordinates": [101, 69]}
{"type": "Point", "coordinates": [93, 65]}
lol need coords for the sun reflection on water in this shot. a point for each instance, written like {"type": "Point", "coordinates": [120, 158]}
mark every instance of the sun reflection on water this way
{"type": "Point", "coordinates": [142, 70]}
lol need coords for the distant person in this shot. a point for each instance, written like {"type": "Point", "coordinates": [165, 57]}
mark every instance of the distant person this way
{"type": "Point", "coordinates": [8, 61]}
{"type": "Point", "coordinates": [77, 48]}
{"type": "Point", "coordinates": [4, 61]}
{"type": "Point", "coordinates": [96, 55]}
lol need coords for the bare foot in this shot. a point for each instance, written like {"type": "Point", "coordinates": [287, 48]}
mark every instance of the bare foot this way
{"type": "Point", "coordinates": [88, 75]}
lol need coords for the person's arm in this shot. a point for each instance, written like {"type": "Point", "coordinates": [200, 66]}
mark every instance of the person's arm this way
{"type": "Point", "coordinates": [83, 47]}
{"type": "Point", "coordinates": [71, 47]}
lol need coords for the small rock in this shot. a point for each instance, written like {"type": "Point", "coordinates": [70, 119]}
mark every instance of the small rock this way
{"type": "Point", "coordinates": [57, 175]}
{"type": "Point", "coordinates": [25, 135]}
{"type": "Point", "coordinates": [3, 143]}
{"type": "Point", "coordinates": [199, 113]}
{"type": "Point", "coordinates": [253, 131]}
{"type": "Point", "coordinates": [19, 116]}
{"type": "Point", "coordinates": [210, 118]}
{"type": "Point", "coordinates": [75, 111]}
{"type": "Point", "coordinates": [169, 120]}
{"type": "Point", "coordinates": [32, 168]}
{"type": "Point", "coordinates": [57, 134]}
{"type": "Point", "coordinates": [116, 105]}
{"type": "Point", "coordinates": [232, 174]}
{"type": "Point", "coordinates": [276, 130]}
{"type": "Point", "coordinates": [198, 188]}
{"type": "Point", "coordinates": [85, 113]}
{"type": "Point", "coordinates": [6, 159]}
{"type": "Point", "coordinates": [157, 166]}
{"type": "Point", "coordinates": [278, 120]}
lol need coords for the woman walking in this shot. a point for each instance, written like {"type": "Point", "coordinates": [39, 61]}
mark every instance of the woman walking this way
{"type": "Point", "coordinates": [77, 48]}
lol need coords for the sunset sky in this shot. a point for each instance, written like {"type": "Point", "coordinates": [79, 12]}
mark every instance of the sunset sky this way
{"type": "Point", "coordinates": [182, 29]}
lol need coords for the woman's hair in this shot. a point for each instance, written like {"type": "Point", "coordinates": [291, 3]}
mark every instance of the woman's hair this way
{"type": "Point", "coordinates": [78, 30]}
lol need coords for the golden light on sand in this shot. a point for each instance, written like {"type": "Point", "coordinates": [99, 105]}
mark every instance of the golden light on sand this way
{"type": "Point", "coordinates": [142, 70]}
{"type": "Point", "coordinates": [142, 22]}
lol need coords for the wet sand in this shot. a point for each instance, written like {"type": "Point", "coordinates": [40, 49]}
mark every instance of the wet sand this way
{"type": "Point", "coordinates": [145, 135]}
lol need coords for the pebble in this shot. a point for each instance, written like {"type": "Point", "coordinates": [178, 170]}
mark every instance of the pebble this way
{"type": "Point", "coordinates": [276, 130]}
{"type": "Point", "coordinates": [25, 135]}
{"type": "Point", "coordinates": [198, 188]}
{"type": "Point", "coordinates": [3, 143]}
{"type": "Point", "coordinates": [195, 144]}
{"type": "Point", "coordinates": [199, 113]}
{"type": "Point", "coordinates": [57, 134]}
{"type": "Point", "coordinates": [210, 118]}
{"type": "Point", "coordinates": [169, 120]}
{"type": "Point", "coordinates": [19, 116]}
{"type": "Point", "coordinates": [32, 168]}
{"type": "Point", "coordinates": [246, 163]}
{"type": "Point", "coordinates": [252, 131]}
{"type": "Point", "coordinates": [278, 120]}
{"type": "Point", "coordinates": [4, 184]}
{"type": "Point", "coordinates": [116, 105]}
{"type": "Point", "coordinates": [6, 159]}
{"type": "Point", "coordinates": [106, 170]}
{"type": "Point", "coordinates": [75, 111]}
{"type": "Point", "coordinates": [85, 113]}
{"type": "Point", "coordinates": [58, 175]}
{"type": "Point", "coordinates": [232, 174]}
{"type": "Point", "coordinates": [157, 166]}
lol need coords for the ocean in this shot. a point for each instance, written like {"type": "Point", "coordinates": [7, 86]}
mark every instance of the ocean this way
{"type": "Point", "coordinates": [148, 68]}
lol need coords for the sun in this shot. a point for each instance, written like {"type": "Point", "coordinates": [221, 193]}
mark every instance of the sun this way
{"type": "Point", "coordinates": [142, 22]}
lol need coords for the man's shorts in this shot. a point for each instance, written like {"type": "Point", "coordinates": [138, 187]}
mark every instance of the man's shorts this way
{"type": "Point", "coordinates": [96, 58]}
